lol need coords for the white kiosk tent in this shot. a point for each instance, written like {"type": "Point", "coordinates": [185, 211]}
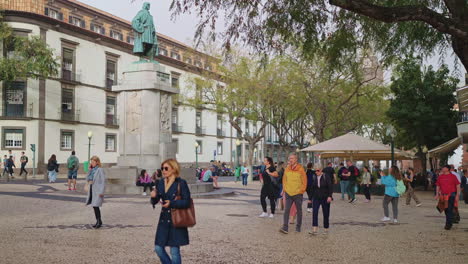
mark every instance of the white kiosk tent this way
{"type": "Point", "coordinates": [355, 147]}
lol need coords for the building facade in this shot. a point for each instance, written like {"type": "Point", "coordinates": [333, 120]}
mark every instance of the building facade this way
{"type": "Point", "coordinates": [94, 48]}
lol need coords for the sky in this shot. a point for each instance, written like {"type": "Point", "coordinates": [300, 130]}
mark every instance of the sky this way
{"type": "Point", "coordinates": [183, 28]}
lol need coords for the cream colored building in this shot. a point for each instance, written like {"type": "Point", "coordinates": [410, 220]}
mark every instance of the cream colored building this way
{"type": "Point", "coordinates": [94, 48]}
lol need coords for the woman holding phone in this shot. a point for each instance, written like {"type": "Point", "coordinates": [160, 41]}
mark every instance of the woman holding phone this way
{"type": "Point", "coordinates": [166, 191]}
{"type": "Point", "coordinates": [96, 179]}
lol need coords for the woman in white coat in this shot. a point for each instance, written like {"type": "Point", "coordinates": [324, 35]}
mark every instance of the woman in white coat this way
{"type": "Point", "coordinates": [96, 180]}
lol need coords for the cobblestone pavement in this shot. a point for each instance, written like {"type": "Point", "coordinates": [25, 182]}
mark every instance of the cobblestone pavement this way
{"type": "Point", "coordinates": [45, 223]}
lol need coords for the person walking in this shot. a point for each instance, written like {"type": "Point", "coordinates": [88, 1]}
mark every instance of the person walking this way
{"type": "Point", "coordinates": [73, 164]}
{"type": "Point", "coordinates": [144, 180]}
{"type": "Point", "coordinates": [245, 174]}
{"type": "Point", "coordinates": [166, 234]}
{"type": "Point", "coordinates": [310, 175]}
{"type": "Point", "coordinates": [5, 167]}
{"type": "Point", "coordinates": [269, 187]}
{"type": "Point", "coordinates": [366, 183]}
{"type": "Point", "coordinates": [410, 184]}
{"type": "Point", "coordinates": [391, 194]}
{"type": "Point", "coordinates": [294, 185]}
{"type": "Point", "coordinates": [10, 165]}
{"type": "Point", "coordinates": [329, 171]}
{"type": "Point", "coordinates": [52, 168]}
{"type": "Point", "coordinates": [448, 194]}
{"type": "Point", "coordinates": [353, 174]}
{"type": "Point", "coordinates": [96, 179]}
{"type": "Point", "coordinates": [24, 161]}
{"type": "Point", "coordinates": [344, 182]}
{"type": "Point", "coordinates": [279, 196]}
{"type": "Point", "coordinates": [322, 195]}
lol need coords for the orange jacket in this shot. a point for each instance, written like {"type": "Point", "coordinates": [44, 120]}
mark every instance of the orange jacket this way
{"type": "Point", "coordinates": [294, 180]}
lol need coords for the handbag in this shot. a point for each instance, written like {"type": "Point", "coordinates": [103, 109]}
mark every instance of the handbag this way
{"type": "Point", "coordinates": [183, 217]}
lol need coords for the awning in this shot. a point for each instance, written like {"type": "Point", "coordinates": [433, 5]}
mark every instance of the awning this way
{"type": "Point", "coordinates": [446, 147]}
{"type": "Point", "coordinates": [356, 147]}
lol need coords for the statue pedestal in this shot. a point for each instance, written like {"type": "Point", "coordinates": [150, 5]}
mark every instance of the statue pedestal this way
{"type": "Point", "coordinates": [144, 106]}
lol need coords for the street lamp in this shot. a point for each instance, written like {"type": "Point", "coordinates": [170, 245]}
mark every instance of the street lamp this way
{"type": "Point", "coordinates": [90, 135]}
{"type": "Point", "coordinates": [391, 132]}
{"type": "Point", "coordinates": [238, 142]}
{"type": "Point", "coordinates": [196, 154]}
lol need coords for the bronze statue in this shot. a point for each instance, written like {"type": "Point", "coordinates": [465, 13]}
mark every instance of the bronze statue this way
{"type": "Point", "coordinates": [146, 41]}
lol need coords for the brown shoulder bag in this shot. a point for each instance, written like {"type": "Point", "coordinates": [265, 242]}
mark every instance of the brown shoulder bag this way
{"type": "Point", "coordinates": [183, 217]}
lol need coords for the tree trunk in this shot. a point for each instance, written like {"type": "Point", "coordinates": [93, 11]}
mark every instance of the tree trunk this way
{"type": "Point", "coordinates": [460, 47]}
{"type": "Point", "coordinates": [250, 160]}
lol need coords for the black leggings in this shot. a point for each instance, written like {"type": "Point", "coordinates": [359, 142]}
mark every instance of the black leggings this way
{"type": "Point", "coordinates": [267, 192]}
{"type": "Point", "coordinates": [97, 213]}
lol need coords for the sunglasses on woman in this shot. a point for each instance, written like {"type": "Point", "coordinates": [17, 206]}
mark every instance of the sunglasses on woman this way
{"type": "Point", "coordinates": [165, 168]}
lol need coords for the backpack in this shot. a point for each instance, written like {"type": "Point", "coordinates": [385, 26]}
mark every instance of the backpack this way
{"type": "Point", "coordinates": [357, 173]}
{"type": "Point", "coordinates": [400, 187]}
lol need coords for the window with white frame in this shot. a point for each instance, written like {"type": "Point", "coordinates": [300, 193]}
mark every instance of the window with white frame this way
{"type": "Point", "coordinates": [76, 21]}
{"type": "Point", "coordinates": [13, 138]}
{"type": "Point", "coordinates": [110, 142]}
{"type": "Point", "coordinates": [98, 29]}
{"type": "Point", "coordinates": [116, 35]}
{"type": "Point", "coordinates": [175, 55]}
{"type": "Point", "coordinates": [66, 140]}
{"type": "Point", "coordinates": [163, 51]}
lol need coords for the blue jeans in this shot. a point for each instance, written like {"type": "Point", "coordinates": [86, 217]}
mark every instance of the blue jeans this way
{"type": "Point", "coordinates": [449, 210]}
{"type": "Point", "coordinates": [352, 189]}
{"type": "Point", "coordinates": [52, 175]}
{"type": "Point", "coordinates": [162, 254]}
{"type": "Point", "coordinates": [244, 179]}
{"type": "Point", "coordinates": [72, 174]}
{"type": "Point", "coordinates": [344, 185]}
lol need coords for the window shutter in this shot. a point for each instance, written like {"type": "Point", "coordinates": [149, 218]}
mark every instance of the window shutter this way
{"type": "Point", "coordinates": [83, 24]}
{"type": "Point", "coordinates": [103, 31]}
{"type": "Point", "coordinates": [128, 39]}
{"type": "Point", "coordinates": [46, 11]}
{"type": "Point", "coordinates": [61, 16]}
{"type": "Point", "coordinates": [70, 19]}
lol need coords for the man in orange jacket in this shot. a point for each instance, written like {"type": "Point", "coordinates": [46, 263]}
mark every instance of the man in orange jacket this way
{"type": "Point", "coordinates": [294, 186]}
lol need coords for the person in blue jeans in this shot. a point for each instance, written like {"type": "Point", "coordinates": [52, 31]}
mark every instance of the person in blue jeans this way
{"type": "Point", "coordinates": [391, 195]}
{"type": "Point", "coordinates": [245, 174]}
{"type": "Point", "coordinates": [344, 182]}
{"type": "Point", "coordinates": [166, 234]}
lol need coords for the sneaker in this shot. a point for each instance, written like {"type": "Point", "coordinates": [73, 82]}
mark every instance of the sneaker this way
{"type": "Point", "coordinates": [366, 201]}
{"type": "Point", "coordinates": [354, 200]}
{"type": "Point", "coordinates": [395, 221]}
{"type": "Point", "coordinates": [69, 189]}
{"type": "Point", "coordinates": [350, 201]}
{"type": "Point", "coordinates": [385, 219]}
{"type": "Point", "coordinates": [283, 231]}
{"type": "Point", "coordinates": [325, 231]}
{"type": "Point", "coordinates": [263, 215]}
{"type": "Point", "coordinates": [144, 194]}
{"type": "Point", "coordinates": [419, 204]}
{"type": "Point", "coordinates": [314, 233]}
{"type": "Point", "coordinates": [74, 189]}
{"type": "Point", "coordinates": [309, 210]}
{"type": "Point", "coordinates": [448, 227]}
{"type": "Point", "coordinates": [271, 215]}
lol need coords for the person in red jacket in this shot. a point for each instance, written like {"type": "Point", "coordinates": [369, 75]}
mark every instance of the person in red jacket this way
{"type": "Point", "coordinates": [448, 189]}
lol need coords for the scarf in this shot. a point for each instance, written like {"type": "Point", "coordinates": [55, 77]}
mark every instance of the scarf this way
{"type": "Point", "coordinates": [90, 176]}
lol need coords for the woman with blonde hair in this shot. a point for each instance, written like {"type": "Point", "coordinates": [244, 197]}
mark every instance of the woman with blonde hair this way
{"type": "Point", "coordinates": [96, 179]}
{"type": "Point", "coordinates": [166, 191]}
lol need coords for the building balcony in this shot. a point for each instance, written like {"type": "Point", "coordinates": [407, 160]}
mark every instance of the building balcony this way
{"type": "Point", "coordinates": [199, 131]}
{"type": "Point", "coordinates": [70, 76]}
{"type": "Point", "coordinates": [220, 133]}
{"type": "Point", "coordinates": [69, 116]}
{"type": "Point", "coordinates": [112, 121]}
{"type": "Point", "coordinates": [176, 128]}
{"type": "Point", "coordinates": [16, 112]}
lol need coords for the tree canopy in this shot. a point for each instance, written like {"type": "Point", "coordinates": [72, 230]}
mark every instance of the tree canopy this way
{"type": "Point", "coordinates": [422, 108]}
{"type": "Point", "coordinates": [24, 57]}
{"type": "Point", "coordinates": [338, 27]}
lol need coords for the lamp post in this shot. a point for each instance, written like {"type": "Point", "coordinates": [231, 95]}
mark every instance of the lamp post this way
{"type": "Point", "coordinates": [255, 154]}
{"type": "Point", "coordinates": [196, 154]}
{"type": "Point", "coordinates": [238, 142]}
{"type": "Point", "coordinates": [299, 155]}
{"type": "Point", "coordinates": [391, 132]}
{"type": "Point", "coordinates": [90, 135]}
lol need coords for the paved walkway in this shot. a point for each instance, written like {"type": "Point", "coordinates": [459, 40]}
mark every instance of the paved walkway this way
{"type": "Point", "coordinates": [45, 223]}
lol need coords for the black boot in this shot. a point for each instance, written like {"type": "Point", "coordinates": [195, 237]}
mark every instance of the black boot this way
{"type": "Point", "coordinates": [448, 227]}
{"type": "Point", "coordinates": [98, 224]}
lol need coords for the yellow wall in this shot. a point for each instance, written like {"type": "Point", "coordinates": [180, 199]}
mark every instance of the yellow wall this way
{"type": "Point", "coordinates": [33, 6]}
